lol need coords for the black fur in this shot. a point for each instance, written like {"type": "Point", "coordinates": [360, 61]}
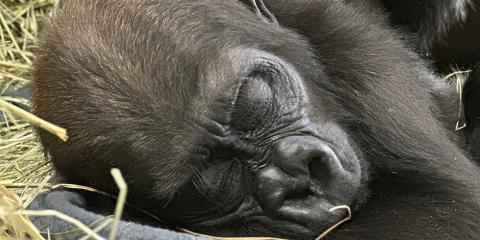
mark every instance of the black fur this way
{"type": "Point", "coordinates": [459, 48]}
{"type": "Point", "coordinates": [190, 98]}
{"type": "Point", "coordinates": [472, 113]}
{"type": "Point", "coordinates": [429, 20]}
{"type": "Point", "coordinates": [444, 31]}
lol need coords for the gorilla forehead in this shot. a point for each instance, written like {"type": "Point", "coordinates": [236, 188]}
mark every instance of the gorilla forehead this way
{"type": "Point", "coordinates": [221, 79]}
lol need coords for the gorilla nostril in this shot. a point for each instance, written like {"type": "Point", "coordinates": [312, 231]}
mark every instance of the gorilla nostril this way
{"type": "Point", "coordinates": [319, 175]}
{"type": "Point", "coordinates": [304, 157]}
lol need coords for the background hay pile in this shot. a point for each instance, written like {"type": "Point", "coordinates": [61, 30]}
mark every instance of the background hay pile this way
{"type": "Point", "coordinates": [22, 164]}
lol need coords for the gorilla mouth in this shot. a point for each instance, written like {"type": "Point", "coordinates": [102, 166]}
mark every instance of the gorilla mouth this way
{"type": "Point", "coordinates": [279, 227]}
{"type": "Point", "coordinates": [250, 221]}
{"type": "Point", "coordinates": [286, 228]}
{"type": "Point", "coordinates": [257, 224]}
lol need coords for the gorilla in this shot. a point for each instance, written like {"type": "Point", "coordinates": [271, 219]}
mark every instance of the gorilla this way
{"type": "Point", "coordinates": [256, 118]}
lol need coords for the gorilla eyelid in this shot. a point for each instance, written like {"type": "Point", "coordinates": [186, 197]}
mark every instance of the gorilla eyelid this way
{"type": "Point", "coordinates": [266, 66]}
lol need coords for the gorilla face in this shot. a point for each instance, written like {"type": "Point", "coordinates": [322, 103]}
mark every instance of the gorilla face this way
{"type": "Point", "coordinates": [231, 125]}
{"type": "Point", "coordinates": [266, 159]}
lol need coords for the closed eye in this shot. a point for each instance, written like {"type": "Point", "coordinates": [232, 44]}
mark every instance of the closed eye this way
{"type": "Point", "coordinates": [252, 105]}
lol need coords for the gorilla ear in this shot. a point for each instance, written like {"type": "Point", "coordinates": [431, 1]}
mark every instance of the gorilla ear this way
{"type": "Point", "coordinates": [471, 102]}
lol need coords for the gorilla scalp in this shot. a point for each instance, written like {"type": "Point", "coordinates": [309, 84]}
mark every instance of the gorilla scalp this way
{"type": "Point", "coordinates": [229, 123]}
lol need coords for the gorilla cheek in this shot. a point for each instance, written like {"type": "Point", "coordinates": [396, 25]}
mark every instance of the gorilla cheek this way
{"type": "Point", "coordinates": [305, 179]}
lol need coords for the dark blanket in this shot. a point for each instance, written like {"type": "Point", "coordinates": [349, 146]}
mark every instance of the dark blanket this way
{"type": "Point", "coordinates": [21, 93]}
{"type": "Point", "coordinates": [74, 205]}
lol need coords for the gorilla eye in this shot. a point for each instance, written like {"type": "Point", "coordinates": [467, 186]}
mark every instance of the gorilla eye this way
{"type": "Point", "coordinates": [252, 106]}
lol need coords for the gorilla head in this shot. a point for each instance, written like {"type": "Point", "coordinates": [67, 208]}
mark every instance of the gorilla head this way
{"type": "Point", "coordinates": [227, 123]}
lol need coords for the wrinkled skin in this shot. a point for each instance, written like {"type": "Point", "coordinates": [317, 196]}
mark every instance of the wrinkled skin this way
{"type": "Point", "coordinates": [227, 123]}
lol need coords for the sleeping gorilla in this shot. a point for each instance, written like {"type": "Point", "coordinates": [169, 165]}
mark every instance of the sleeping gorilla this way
{"type": "Point", "coordinates": [226, 122]}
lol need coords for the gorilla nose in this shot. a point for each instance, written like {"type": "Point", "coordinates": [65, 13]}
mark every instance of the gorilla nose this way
{"type": "Point", "coordinates": [304, 180]}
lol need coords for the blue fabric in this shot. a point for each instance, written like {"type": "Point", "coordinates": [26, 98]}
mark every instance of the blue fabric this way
{"type": "Point", "coordinates": [74, 205]}
{"type": "Point", "coordinates": [24, 93]}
